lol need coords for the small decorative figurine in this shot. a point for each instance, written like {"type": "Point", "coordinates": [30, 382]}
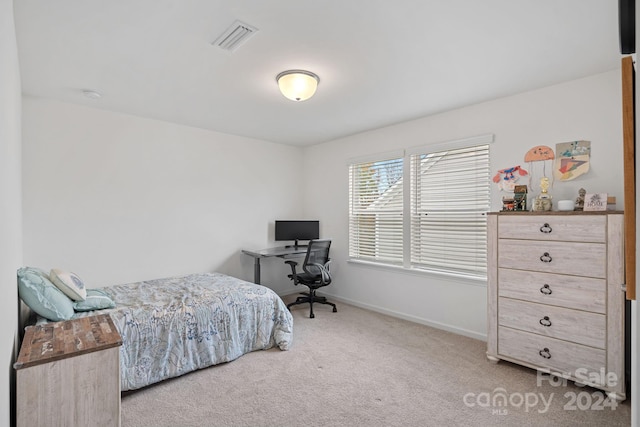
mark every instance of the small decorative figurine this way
{"type": "Point", "coordinates": [520, 198]}
{"type": "Point", "coordinates": [543, 201]}
{"type": "Point", "coordinates": [580, 200]}
{"type": "Point", "coordinates": [507, 204]}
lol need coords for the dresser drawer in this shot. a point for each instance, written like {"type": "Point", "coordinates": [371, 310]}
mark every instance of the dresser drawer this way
{"type": "Point", "coordinates": [574, 228]}
{"type": "Point", "coordinates": [566, 324]}
{"type": "Point", "coordinates": [550, 353]}
{"type": "Point", "coordinates": [580, 293]}
{"type": "Point", "coordinates": [579, 259]}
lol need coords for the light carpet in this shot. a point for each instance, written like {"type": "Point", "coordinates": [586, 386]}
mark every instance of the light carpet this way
{"type": "Point", "coordinates": [361, 368]}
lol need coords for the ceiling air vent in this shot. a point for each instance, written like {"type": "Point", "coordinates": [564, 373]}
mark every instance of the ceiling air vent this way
{"type": "Point", "coordinates": [235, 36]}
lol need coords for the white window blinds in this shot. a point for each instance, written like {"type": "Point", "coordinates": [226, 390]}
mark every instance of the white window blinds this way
{"type": "Point", "coordinates": [449, 200]}
{"type": "Point", "coordinates": [375, 211]}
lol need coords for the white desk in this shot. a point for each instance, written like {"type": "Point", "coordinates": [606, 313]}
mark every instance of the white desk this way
{"type": "Point", "coordinates": [280, 252]}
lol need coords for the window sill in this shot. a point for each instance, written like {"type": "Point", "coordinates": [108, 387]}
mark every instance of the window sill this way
{"type": "Point", "coordinates": [460, 278]}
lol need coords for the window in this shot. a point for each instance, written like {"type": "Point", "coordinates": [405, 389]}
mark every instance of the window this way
{"type": "Point", "coordinates": [449, 201]}
{"type": "Point", "coordinates": [375, 210]}
{"type": "Point", "coordinates": [423, 210]}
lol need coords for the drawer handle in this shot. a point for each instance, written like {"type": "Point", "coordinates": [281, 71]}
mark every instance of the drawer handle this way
{"type": "Point", "coordinates": [546, 228]}
{"type": "Point", "coordinates": [546, 257]}
{"type": "Point", "coordinates": [546, 290]}
{"type": "Point", "coordinates": [545, 353]}
{"type": "Point", "coordinates": [545, 321]}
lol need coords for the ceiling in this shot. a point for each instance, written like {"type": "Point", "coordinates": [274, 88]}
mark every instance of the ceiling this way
{"type": "Point", "coordinates": [380, 62]}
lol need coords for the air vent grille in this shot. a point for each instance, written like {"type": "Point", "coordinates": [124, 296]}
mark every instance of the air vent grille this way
{"type": "Point", "coordinates": [235, 36]}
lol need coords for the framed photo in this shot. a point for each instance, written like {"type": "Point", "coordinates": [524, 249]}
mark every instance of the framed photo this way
{"type": "Point", "coordinates": [595, 202]}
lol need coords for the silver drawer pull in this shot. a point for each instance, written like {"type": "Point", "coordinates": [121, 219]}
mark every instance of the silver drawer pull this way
{"type": "Point", "coordinates": [546, 228]}
{"type": "Point", "coordinates": [546, 257]}
{"type": "Point", "coordinates": [546, 290]}
{"type": "Point", "coordinates": [545, 353]}
{"type": "Point", "coordinates": [545, 321]}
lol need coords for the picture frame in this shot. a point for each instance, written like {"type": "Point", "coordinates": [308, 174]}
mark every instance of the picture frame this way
{"type": "Point", "coordinates": [594, 202]}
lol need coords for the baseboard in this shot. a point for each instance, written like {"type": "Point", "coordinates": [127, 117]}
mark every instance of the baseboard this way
{"type": "Point", "coordinates": [415, 319]}
{"type": "Point", "coordinates": [293, 292]}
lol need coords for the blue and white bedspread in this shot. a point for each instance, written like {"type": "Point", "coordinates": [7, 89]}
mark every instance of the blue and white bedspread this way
{"type": "Point", "coordinates": [176, 325]}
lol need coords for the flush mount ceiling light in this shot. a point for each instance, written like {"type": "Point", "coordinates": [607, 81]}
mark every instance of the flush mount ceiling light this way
{"type": "Point", "coordinates": [297, 85]}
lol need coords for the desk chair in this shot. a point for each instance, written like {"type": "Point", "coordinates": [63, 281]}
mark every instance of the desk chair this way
{"type": "Point", "coordinates": [315, 274]}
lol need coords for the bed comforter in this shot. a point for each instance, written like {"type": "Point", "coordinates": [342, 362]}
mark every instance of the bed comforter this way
{"type": "Point", "coordinates": [176, 325]}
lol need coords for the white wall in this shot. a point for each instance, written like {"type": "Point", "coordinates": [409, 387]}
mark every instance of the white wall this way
{"type": "Point", "coordinates": [10, 212]}
{"type": "Point", "coordinates": [117, 198]}
{"type": "Point", "coordinates": [587, 109]}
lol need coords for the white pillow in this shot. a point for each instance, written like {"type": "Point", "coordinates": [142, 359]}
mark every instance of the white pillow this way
{"type": "Point", "coordinates": [69, 283]}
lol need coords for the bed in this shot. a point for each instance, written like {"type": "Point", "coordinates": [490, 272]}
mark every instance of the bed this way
{"type": "Point", "coordinates": [176, 325]}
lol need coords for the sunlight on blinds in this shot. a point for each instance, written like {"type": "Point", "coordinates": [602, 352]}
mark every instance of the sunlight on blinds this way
{"type": "Point", "coordinates": [449, 202]}
{"type": "Point", "coordinates": [375, 211]}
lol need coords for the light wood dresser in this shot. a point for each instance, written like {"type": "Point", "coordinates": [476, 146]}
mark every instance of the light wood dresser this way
{"type": "Point", "coordinates": [555, 298]}
{"type": "Point", "coordinates": [68, 374]}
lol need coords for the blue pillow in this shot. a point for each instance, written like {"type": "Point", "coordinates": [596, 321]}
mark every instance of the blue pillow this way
{"type": "Point", "coordinates": [42, 296]}
{"type": "Point", "coordinates": [96, 300]}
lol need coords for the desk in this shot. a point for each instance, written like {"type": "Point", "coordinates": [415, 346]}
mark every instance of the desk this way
{"type": "Point", "coordinates": [280, 252]}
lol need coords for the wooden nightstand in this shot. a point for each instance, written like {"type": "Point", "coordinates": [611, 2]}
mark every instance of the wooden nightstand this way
{"type": "Point", "coordinates": [68, 374]}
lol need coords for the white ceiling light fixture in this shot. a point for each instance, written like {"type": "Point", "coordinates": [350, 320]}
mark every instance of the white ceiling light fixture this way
{"type": "Point", "coordinates": [297, 85]}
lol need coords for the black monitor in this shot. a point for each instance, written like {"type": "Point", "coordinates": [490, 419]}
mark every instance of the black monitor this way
{"type": "Point", "coordinates": [297, 230]}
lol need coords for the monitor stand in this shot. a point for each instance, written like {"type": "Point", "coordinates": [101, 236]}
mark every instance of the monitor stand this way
{"type": "Point", "coordinates": [296, 245]}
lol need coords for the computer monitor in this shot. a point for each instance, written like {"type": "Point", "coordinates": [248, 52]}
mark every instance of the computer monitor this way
{"type": "Point", "coordinates": [297, 230]}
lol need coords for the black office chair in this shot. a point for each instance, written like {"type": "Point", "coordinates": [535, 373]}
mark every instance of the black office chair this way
{"type": "Point", "coordinates": [315, 275]}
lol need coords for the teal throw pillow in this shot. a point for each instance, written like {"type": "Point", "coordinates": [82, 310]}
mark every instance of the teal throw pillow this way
{"type": "Point", "coordinates": [42, 296]}
{"type": "Point", "coordinates": [97, 299]}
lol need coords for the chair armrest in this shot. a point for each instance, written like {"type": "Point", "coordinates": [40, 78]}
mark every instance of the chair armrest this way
{"type": "Point", "coordinates": [293, 275]}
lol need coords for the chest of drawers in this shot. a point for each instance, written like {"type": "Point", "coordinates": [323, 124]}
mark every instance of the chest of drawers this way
{"type": "Point", "coordinates": [554, 295]}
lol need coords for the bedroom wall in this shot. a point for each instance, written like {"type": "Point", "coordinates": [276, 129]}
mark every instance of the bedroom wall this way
{"type": "Point", "coordinates": [588, 108]}
{"type": "Point", "coordinates": [10, 206]}
{"type": "Point", "coordinates": [117, 198]}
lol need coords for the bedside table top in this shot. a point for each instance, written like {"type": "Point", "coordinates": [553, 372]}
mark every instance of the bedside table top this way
{"type": "Point", "coordinates": [59, 340]}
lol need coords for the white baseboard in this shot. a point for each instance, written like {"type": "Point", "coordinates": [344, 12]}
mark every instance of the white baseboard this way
{"type": "Point", "coordinates": [415, 319]}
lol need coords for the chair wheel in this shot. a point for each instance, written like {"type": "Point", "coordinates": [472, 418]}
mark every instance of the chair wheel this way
{"type": "Point", "coordinates": [311, 316]}
{"type": "Point", "coordinates": [335, 310]}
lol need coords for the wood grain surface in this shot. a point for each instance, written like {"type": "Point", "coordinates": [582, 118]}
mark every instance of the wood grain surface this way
{"type": "Point", "coordinates": [59, 340]}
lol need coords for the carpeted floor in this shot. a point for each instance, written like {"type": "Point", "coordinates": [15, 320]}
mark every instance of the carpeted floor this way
{"type": "Point", "coordinates": [360, 368]}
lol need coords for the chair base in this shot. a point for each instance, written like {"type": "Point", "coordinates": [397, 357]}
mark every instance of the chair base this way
{"type": "Point", "coordinates": [311, 298]}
